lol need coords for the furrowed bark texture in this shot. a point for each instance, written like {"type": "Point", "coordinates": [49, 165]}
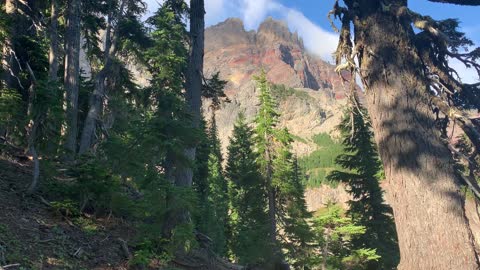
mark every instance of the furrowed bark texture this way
{"type": "Point", "coordinates": [54, 61]}
{"type": "Point", "coordinates": [194, 78]}
{"type": "Point", "coordinates": [72, 75]}
{"type": "Point", "coordinates": [429, 213]}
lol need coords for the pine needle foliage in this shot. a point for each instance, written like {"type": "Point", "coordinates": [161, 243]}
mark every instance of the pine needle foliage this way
{"type": "Point", "coordinates": [217, 199]}
{"type": "Point", "coordinates": [361, 171]}
{"type": "Point", "coordinates": [334, 233]}
{"type": "Point", "coordinates": [248, 241]}
{"type": "Point", "coordinates": [282, 180]}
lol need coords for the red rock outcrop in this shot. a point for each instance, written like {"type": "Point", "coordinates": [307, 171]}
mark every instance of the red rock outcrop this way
{"type": "Point", "coordinates": [239, 54]}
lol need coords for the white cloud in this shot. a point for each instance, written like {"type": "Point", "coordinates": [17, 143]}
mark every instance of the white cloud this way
{"type": "Point", "coordinates": [253, 12]}
{"type": "Point", "coordinates": [316, 39]}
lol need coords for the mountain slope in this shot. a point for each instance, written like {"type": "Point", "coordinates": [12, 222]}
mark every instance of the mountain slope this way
{"type": "Point", "coordinates": [310, 102]}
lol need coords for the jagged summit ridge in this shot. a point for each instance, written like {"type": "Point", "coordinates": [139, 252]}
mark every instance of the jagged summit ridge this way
{"type": "Point", "coordinates": [271, 31]}
{"type": "Point", "coordinates": [239, 54]}
{"type": "Point", "coordinates": [233, 31]}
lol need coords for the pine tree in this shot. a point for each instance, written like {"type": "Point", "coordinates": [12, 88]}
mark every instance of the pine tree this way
{"type": "Point", "coordinates": [265, 131]}
{"type": "Point", "coordinates": [361, 174]}
{"type": "Point", "coordinates": [72, 75]}
{"type": "Point", "coordinates": [193, 93]}
{"type": "Point", "coordinates": [124, 35]}
{"type": "Point", "coordinates": [294, 216]}
{"type": "Point", "coordinates": [200, 181]}
{"type": "Point", "coordinates": [286, 204]}
{"type": "Point", "coordinates": [208, 179]}
{"type": "Point", "coordinates": [334, 233]}
{"type": "Point", "coordinates": [248, 239]}
{"type": "Point", "coordinates": [218, 192]}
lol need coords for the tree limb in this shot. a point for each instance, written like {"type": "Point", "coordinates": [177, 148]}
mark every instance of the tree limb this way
{"type": "Point", "coordinates": [458, 2]}
{"type": "Point", "coordinates": [9, 266]}
{"type": "Point", "coordinates": [462, 120]}
{"type": "Point", "coordinates": [471, 182]}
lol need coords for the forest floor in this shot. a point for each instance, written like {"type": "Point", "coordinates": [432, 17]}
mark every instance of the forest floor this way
{"type": "Point", "coordinates": [36, 236]}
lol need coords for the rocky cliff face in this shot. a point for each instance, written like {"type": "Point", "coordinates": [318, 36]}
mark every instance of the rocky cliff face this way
{"type": "Point", "coordinates": [315, 105]}
{"type": "Point", "coordinates": [239, 54]}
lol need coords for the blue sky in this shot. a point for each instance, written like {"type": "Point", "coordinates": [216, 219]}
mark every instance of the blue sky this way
{"type": "Point", "coordinates": [469, 16]}
{"type": "Point", "coordinates": [309, 18]}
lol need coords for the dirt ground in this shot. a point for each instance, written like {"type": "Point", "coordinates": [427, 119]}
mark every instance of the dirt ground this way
{"type": "Point", "coordinates": [36, 236]}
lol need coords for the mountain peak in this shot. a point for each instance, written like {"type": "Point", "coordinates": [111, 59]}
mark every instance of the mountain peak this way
{"type": "Point", "coordinates": [239, 54]}
{"type": "Point", "coordinates": [276, 31]}
{"type": "Point", "coordinates": [232, 23]}
{"type": "Point", "coordinates": [271, 32]}
{"type": "Point", "coordinates": [281, 53]}
{"type": "Point", "coordinates": [271, 22]}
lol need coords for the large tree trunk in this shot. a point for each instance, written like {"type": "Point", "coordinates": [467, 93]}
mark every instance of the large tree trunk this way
{"type": "Point", "coordinates": [428, 205]}
{"type": "Point", "coordinates": [98, 95]}
{"type": "Point", "coordinates": [53, 50]}
{"type": "Point", "coordinates": [9, 70]}
{"type": "Point", "coordinates": [32, 130]}
{"type": "Point", "coordinates": [72, 75]}
{"type": "Point", "coordinates": [272, 208]}
{"type": "Point", "coordinates": [194, 77]}
{"type": "Point", "coordinates": [183, 173]}
{"type": "Point", "coordinates": [54, 63]}
{"type": "Point", "coordinates": [7, 56]}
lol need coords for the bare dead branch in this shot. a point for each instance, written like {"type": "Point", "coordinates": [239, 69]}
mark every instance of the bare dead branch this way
{"type": "Point", "coordinates": [458, 2]}
{"type": "Point", "coordinates": [463, 121]}
{"type": "Point", "coordinates": [9, 266]}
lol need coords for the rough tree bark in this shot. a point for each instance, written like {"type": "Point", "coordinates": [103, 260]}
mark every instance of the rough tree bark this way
{"type": "Point", "coordinates": [98, 95]}
{"type": "Point", "coordinates": [194, 80]}
{"type": "Point", "coordinates": [53, 50]}
{"type": "Point", "coordinates": [7, 79]}
{"type": "Point", "coordinates": [7, 57]}
{"type": "Point", "coordinates": [54, 62]}
{"type": "Point", "coordinates": [427, 202]}
{"type": "Point", "coordinates": [32, 130]}
{"type": "Point", "coordinates": [183, 173]}
{"type": "Point", "coordinates": [72, 75]}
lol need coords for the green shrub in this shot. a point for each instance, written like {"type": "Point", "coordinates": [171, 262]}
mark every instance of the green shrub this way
{"type": "Point", "coordinates": [66, 208]}
{"type": "Point", "coordinates": [11, 113]}
{"type": "Point", "coordinates": [95, 185]}
{"type": "Point", "coordinates": [149, 250]}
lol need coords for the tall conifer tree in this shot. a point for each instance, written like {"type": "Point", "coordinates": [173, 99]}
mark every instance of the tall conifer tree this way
{"type": "Point", "coordinates": [218, 192]}
{"type": "Point", "coordinates": [402, 56]}
{"type": "Point", "coordinates": [361, 173]}
{"type": "Point", "coordinates": [248, 218]}
{"type": "Point", "coordinates": [72, 75]}
{"type": "Point", "coordinates": [286, 205]}
{"type": "Point", "coordinates": [265, 129]}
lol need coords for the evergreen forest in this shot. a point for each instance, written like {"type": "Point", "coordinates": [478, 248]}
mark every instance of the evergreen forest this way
{"type": "Point", "coordinates": [114, 152]}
